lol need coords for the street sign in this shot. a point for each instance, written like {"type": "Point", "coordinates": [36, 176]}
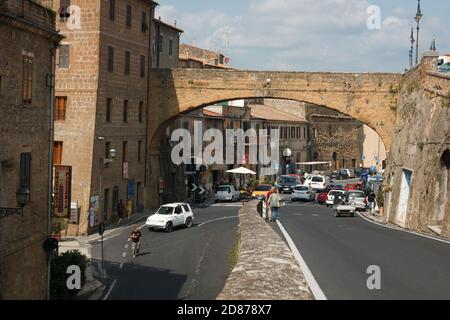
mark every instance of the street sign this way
{"type": "Point", "coordinates": [202, 190]}
{"type": "Point", "coordinates": [195, 187]}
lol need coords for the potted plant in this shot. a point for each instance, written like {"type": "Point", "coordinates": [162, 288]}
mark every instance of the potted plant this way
{"type": "Point", "coordinates": [380, 201]}
{"type": "Point", "coordinates": [58, 225]}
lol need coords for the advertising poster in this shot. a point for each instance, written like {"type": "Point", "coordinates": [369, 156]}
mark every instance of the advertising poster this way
{"type": "Point", "coordinates": [62, 191]}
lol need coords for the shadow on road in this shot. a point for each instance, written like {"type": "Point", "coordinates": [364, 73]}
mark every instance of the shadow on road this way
{"type": "Point", "coordinates": [136, 282]}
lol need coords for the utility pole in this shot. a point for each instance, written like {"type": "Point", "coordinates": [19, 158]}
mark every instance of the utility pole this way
{"type": "Point", "coordinates": [418, 17]}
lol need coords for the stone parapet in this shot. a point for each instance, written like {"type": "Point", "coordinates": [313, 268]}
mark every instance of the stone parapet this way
{"type": "Point", "coordinates": [266, 268]}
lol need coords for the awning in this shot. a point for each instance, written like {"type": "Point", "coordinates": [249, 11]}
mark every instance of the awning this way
{"type": "Point", "coordinates": [313, 163]}
{"type": "Point", "coordinates": [241, 170]}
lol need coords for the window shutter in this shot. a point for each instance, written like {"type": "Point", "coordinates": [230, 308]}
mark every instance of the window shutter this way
{"type": "Point", "coordinates": [25, 170]}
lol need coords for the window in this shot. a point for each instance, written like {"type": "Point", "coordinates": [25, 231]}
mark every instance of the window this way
{"type": "Point", "coordinates": [124, 151]}
{"type": "Point", "coordinates": [170, 47]}
{"type": "Point", "coordinates": [27, 80]}
{"type": "Point", "coordinates": [128, 16]}
{"type": "Point", "coordinates": [110, 59]}
{"type": "Point", "coordinates": [142, 67]}
{"type": "Point", "coordinates": [127, 62]}
{"type": "Point", "coordinates": [112, 9]}
{"type": "Point", "coordinates": [125, 111]}
{"type": "Point", "coordinates": [60, 108]}
{"type": "Point", "coordinates": [141, 111]}
{"type": "Point", "coordinates": [64, 12]}
{"type": "Point", "coordinates": [292, 133]}
{"type": "Point", "coordinates": [353, 163]}
{"type": "Point", "coordinates": [108, 109]}
{"type": "Point", "coordinates": [343, 163]}
{"type": "Point", "coordinates": [25, 170]}
{"type": "Point", "coordinates": [57, 152]}
{"type": "Point", "coordinates": [161, 43]}
{"type": "Point", "coordinates": [139, 151]}
{"type": "Point", "coordinates": [304, 132]}
{"type": "Point", "coordinates": [186, 125]}
{"type": "Point", "coordinates": [64, 56]}
{"type": "Point", "coordinates": [144, 26]}
{"type": "Point", "coordinates": [107, 149]}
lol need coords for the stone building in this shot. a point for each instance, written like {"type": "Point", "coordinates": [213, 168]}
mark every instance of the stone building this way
{"type": "Point", "coordinates": [102, 93]}
{"type": "Point", "coordinates": [418, 174]}
{"type": "Point", "coordinates": [27, 37]}
{"type": "Point", "coordinates": [194, 57]}
{"type": "Point", "coordinates": [165, 44]}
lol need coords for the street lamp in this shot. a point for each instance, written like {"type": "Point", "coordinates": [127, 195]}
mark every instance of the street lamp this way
{"type": "Point", "coordinates": [418, 17]}
{"type": "Point", "coordinates": [22, 198]}
{"type": "Point", "coordinates": [411, 51]}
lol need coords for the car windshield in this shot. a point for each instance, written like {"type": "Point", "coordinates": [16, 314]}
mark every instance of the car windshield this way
{"type": "Point", "coordinates": [226, 189]}
{"type": "Point", "coordinates": [301, 189]}
{"type": "Point", "coordinates": [317, 179]}
{"type": "Point", "coordinates": [262, 188]}
{"type": "Point", "coordinates": [165, 210]}
{"type": "Point", "coordinates": [287, 180]}
{"type": "Point", "coordinates": [356, 194]}
{"type": "Point", "coordinates": [333, 193]}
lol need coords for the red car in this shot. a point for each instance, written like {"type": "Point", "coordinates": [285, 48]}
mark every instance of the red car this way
{"type": "Point", "coordinates": [351, 187]}
{"type": "Point", "coordinates": [322, 197]}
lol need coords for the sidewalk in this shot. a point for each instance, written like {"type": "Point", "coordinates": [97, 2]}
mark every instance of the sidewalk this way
{"type": "Point", "coordinates": [375, 217]}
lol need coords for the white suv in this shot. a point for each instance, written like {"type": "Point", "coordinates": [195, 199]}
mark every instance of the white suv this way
{"type": "Point", "coordinates": [171, 215]}
{"type": "Point", "coordinates": [319, 182]}
{"type": "Point", "coordinates": [227, 193]}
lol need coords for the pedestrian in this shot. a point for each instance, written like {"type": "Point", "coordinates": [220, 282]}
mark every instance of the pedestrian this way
{"type": "Point", "coordinates": [274, 201]}
{"type": "Point", "coordinates": [268, 209]}
{"type": "Point", "coordinates": [120, 211]}
{"type": "Point", "coordinates": [371, 200]}
{"type": "Point", "coordinates": [129, 209]}
{"type": "Point", "coordinates": [136, 238]}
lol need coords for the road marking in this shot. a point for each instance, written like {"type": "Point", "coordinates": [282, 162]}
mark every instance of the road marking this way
{"type": "Point", "coordinates": [298, 214]}
{"type": "Point", "coordinates": [129, 239]}
{"type": "Point", "coordinates": [110, 289]}
{"type": "Point", "coordinates": [142, 226]}
{"type": "Point", "coordinates": [121, 266]}
{"type": "Point", "coordinates": [403, 230]}
{"type": "Point", "coordinates": [124, 254]}
{"type": "Point", "coordinates": [315, 215]}
{"type": "Point", "coordinates": [232, 217]}
{"type": "Point", "coordinates": [126, 246]}
{"type": "Point", "coordinates": [108, 238]}
{"type": "Point", "coordinates": [226, 205]}
{"type": "Point", "coordinates": [313, 285]}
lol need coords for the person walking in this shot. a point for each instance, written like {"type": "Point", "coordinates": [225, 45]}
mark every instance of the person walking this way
{"type": "Point", "coordinates": [136, 238]}
{"type": "Point", "coordinates": [371, 200]}
{"type": "Point", "coordinates": [274, 201]}
{"type": "Point", "coordinates": [129, 209]}
{"type": "Point", "coordinates": [268, 209]}
{"type": "Point", "coordinates": [120, 211]}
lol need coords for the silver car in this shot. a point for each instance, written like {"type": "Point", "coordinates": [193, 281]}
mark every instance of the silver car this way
{"type": "Point", "coordinates": [357, 199]}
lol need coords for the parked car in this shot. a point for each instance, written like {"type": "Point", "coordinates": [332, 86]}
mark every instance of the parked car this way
{"type": "Point", "coordinates": [322, 197]}
{"type": "Point", "coordinates": [344, 209]}
{"type": "Point", "coordinates": [303, 193]}
{"type": "Point", "coordinates": [444, 68]}
{"type": "Point", "coordinates": [227, 193]}
{"type": "Point", "coordinates": [376, 178]}
{"type": "Point", "coordinates": [331, 195]}
{"type": "Point", "coordinates": [261, 191]}
{"type": "Point", "coordinates": [334, 175]}
{"type": "Point", "coordinates": [357, 198]}
{"type": "Point", "coordinates": [170, 216]}
{"type": "Point", "coordinates": [319, 182]}
{"type": "Point", "coordinates": [352, 186]}
{"type": "Point", "coordinates": [286, 184]}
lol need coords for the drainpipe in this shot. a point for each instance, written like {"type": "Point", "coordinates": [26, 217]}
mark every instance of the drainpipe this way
{"type": "Point", "coordinates": [50, 160]}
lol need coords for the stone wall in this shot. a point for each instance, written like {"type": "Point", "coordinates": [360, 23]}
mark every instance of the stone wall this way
{"type": "Point", "coordinates": [261, 251]}
{"type": "Point", "coordinates": [420, 142]}
{"type": "Point", "coordinates": [24, 129]}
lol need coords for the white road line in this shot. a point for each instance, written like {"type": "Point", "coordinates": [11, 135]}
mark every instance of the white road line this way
{"type": "Point", "coordinates": [129, 239]}
{"type": "Point", "coordinates": [298, 214]}
{"type": "Point", "coordinates": [315, 215]}
{"type": "Point", "coordinates": [313, 285]}
{"type": "Point", "coordinates": [105, 239]}
{"type": "Point", "coordinates": [121, 266]}
{"type": "Point", "coordinates": [403, 230]}
{"type": "Point", "coordinates": [142, 226]}
{"type": "Point", "coordinates": [124, 254]}
{"type": "Point", "coordinates": [217, 220]}
{"type": "Point", "coordinates": [110, 290]}
{"type": "Point", "coordinates": [126, 246]}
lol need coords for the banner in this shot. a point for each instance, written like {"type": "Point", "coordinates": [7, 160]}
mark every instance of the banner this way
{"type": "Point", "coordinates": [62, 191]}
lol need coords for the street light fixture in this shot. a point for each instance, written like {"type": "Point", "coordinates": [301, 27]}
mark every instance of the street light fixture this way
{"type": "Point", "coordinates": [418, 17]}
{"type": "Point", "coordinates": [22, 198]}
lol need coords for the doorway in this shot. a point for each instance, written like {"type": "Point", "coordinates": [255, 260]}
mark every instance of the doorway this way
{"type": "Point", "coordinates": [404, 198]}
{"type": "Point", "coordinates": [115, 199]}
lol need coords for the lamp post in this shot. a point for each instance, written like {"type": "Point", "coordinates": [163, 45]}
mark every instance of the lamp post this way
{"type": "Point", "coordinates": [411, 51]}
{"type": "Point", "coordinates": [22, 198]}
{"type": "Point", "coordinates": [418, 17]}
{"type": "Point", "coordinates": [104, 162]}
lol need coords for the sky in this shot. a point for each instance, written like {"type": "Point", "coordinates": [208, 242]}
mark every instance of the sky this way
{"type": "Point", "coordinates": [310, 35]}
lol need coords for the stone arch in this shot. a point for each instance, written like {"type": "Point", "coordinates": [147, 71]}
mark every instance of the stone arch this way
{"type": "Point", "coordinates": [442, 188]}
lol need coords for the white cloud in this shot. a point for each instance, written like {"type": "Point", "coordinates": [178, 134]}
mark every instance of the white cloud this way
{"type": "Point", "coordinates": [307, 35]}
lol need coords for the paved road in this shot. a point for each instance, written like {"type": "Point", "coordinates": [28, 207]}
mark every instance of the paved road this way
{"type": "Point", "coordinates": [185, 264]}
{"type": "Point", "coordinates": [338, 252]}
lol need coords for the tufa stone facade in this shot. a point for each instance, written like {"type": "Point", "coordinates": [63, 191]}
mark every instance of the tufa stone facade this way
{"type": "Point", "coordinates": [28, 29]}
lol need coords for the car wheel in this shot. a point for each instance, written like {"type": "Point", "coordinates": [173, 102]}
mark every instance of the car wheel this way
{"type": "Point", "coordinates": [169, 227]}
{"type": "Point", "coordinates": [353, 214]}
{"type": "Point", "coordinates": [150, 229]}
{"type": "Point", "coordinates": [189, 222]}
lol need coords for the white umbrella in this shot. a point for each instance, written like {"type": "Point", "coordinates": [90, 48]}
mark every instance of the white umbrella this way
{"type": "Point", "coordinates": [241, 170]}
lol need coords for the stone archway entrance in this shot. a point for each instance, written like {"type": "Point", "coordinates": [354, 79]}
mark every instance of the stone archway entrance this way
{"type": "Point", "coordinates": [442, 190]}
